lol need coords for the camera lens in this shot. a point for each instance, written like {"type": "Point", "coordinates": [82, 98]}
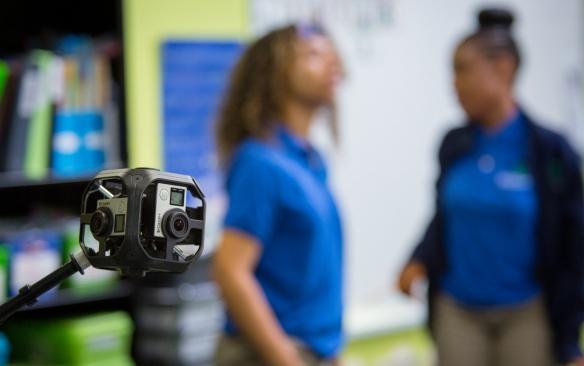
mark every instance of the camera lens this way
{"type": "Point", "coordinates": [99, 224]}
{"type": "Point", "coordinates": [176, 224]}
{"type": "Point", "coordinates": [179, 224]}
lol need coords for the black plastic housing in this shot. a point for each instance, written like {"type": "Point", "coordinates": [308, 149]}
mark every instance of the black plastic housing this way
{"type": "Point", "coordinates": [136, 251]}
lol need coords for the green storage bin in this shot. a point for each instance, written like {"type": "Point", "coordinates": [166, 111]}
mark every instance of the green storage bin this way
{"type": "Point", "coordinates": [92, 340]}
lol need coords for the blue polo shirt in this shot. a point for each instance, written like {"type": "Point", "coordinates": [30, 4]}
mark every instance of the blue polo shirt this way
{"type": "Point", "coordinates": [490, 213]}
{"type": "Point", "coordinates": [278, 193]}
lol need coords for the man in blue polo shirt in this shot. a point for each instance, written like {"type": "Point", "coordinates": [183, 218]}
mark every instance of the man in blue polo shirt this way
{"type": "Point", "coordinates": [279, 197]}
{"type": "Point", "coordinates": [279, 263]}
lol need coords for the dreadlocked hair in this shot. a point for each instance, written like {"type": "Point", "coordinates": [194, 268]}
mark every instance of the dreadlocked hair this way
{"type": "Point", "coordinates": [257, 91]}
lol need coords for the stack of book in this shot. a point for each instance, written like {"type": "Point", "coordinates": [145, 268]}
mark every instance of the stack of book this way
{"type": "Point", "coordinates": [58, 114]}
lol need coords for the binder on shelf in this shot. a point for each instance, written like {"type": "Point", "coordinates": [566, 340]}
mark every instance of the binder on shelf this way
{"type": "Point", "coordinates": [82, 117]}
{"type": "Point", "coordinates": [4, 271]}
{"type": "Point", "coordinates": [36, 158]}
{"type": "Point", "coordinates": [77, 147]}
{"type": "Point", "coordinates": [7, 106]}
{"type": "Point", "coordinates": [107, 101]}
{"type": "Point", "coordinates": [33, 254]}
{"type": "Point", "coordinates": [19, 121]}
{"type": "Point", "coordinates": [4, 73]}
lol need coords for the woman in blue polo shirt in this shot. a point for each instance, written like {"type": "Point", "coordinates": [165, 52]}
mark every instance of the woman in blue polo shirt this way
{"type": "Point", "coordinates": [504, 253]}
{"type": "Point", "coordinates": [279, 264]}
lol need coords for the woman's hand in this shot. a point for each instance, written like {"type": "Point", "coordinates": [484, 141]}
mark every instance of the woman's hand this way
{"type": "Point", "coordinates": [413, 272]}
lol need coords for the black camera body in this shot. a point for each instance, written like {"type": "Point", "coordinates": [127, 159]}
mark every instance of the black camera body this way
{"type": "Point", "coordinates": [142, 220]}
{"type": "Point", "coordinates": [167, 214]}
{"type": "Point", "coordinates": [107, 209]}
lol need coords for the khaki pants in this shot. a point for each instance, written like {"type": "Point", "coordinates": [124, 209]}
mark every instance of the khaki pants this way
{"type": "Point", "coordinates": [514, 336]}
{"type": "Point", "coordinates": [236, 351]}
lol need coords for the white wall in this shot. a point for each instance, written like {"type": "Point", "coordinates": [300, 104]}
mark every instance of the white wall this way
{"type": "Point", "coordinates": [398, 101]}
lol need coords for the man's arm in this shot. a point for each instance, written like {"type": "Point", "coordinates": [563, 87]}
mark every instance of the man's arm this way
{"type": "Point", "coordinates": [233, 270]}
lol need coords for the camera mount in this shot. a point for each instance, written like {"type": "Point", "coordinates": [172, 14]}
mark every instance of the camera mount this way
{"type": "Point", "coordinates": [134, 221]}
{"type": "Point", "coordinates": [137, 221]}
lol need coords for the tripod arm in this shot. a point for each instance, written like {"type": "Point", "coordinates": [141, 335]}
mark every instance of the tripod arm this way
{"type": "Point", "coordinates": [28, 294]}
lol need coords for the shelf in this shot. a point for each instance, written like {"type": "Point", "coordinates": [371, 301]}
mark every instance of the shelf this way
{"type": "Point", "coordinates": [66, 297]}
{"type": "Point", "coordinates": [40, 24]}
{"type": "Point", "coordinates": [22, 200]}
{"type": "Point", "coordinates": [17, 193]}
{"type": "Point", "coordinates": [9, 181]}
{"type": "Point", "coordinates": [73, 301]}
{"type": "Point", "coordinates": [17, 179]}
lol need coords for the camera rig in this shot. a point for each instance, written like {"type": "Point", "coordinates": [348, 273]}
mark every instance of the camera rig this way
{"type": "Point", "coordinates": [139, 221]}
{"type": "Point", "coordinates": [134, 221]}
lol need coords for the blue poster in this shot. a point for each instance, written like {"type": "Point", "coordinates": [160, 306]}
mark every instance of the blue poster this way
{"type": "Point", "coordinates": [194, 77]}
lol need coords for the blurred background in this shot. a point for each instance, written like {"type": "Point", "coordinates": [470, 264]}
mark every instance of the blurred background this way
{"type": "Point", "coordinates": [154, 91]}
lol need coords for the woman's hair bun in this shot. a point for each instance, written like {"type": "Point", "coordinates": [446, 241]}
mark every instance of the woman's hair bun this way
{"type": "Point", "coordinates": [494, 17]}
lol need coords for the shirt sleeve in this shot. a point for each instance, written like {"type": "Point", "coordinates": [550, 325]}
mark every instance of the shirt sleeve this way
{"type": "Point", "coordinates": [253, 200]}
{"type": "Point", "coordinates": [569, 285]}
